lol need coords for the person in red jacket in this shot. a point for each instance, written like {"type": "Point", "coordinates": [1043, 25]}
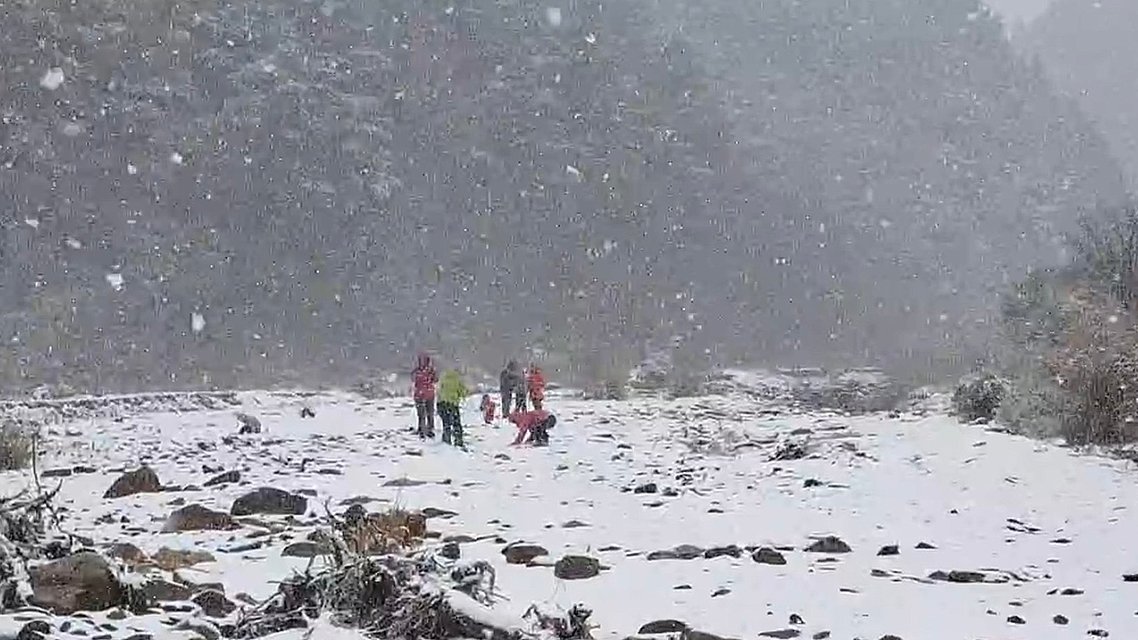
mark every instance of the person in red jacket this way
{"type": "Point", "coordinates": [489, 409]}
{"type": "Point", "coordinates": [424, 378]}
{"type": "Point", "coordinates": [535, 383]}
{"type": "Point", "coordinates": [535, 424]}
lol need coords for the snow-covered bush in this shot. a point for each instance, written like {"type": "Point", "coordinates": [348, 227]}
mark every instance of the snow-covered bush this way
{"type": "Point", "coordinates": [978, 397]}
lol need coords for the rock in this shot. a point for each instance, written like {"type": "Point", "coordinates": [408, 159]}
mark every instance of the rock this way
{"type": "Point", "coordinates": [796, 619]}
{"type": "Point", "coordinates": [161, 590]}
{"type": "Point", "coordinates": [307, 412]}
{"type": "Point", "coordinates": [214, 603]}
{"type": "Point", "coordinates": [204, 629]}
{"type": "Point", "coordinates": [682, 552]}
{"type": "Point", "coordinates": [128, 553]}
{"type": "Point", "coordinates": [649, 487]}
{"type": "Point", "coordinates": [782, 634]}
{"type": "Point", "coordinates": [924, 546]}
{"type": "Point", "coordinates": [766, 555]}
{"type": "Point", "coordinates": [1016, 620]}
{"type": "Point", "coordinates": [962, 577]}
{"type": "Point", "coordinates": [889, 636]}
{"type": "Point", "coordinates": [306, 549]}
{"type": "Point", "coordinates": [1098, 633]}
{"type": "Point", "coordinates": [195, 517]}
{"type": "Point", "coordinates": [1060, 619]}
{"type": "Point", "coordinates": [715, 552]}
{"type": "Point", "coordinates": [889, 550]}
{"type": "Point", "coordinates": [248, 424]}
{"type": "Point", "coordinates": [56, 473]}
{"type": "Point", "coordinates": [662, 626]}
{"type": "Point", "coordinates": [829, 544]}
{"type": "Point", "coordinates": [34, 630]}
{"type": "Point", "coordinates": [404, 482]}
{"type": "Point", "coordinates": [523, 553]}
{"type": "Point", "coordinates": [142, 480]}
{"type": "Point", "coordinates": [434, 512]}
{"type": "Point", "coordinates": [810, 483]}
{"type": "Point", "coordinates": [576, 568]}
{"type": "Point", "coordinates": [268, 500]}
{"type": "Point", "coordinates": [171, 559]}
{"type": "Point", "coordinates": [451, 551]}
{"type": "Point", "coordinates": [81, 582]}
{"type": "Point", "coordinates": [224, 478]}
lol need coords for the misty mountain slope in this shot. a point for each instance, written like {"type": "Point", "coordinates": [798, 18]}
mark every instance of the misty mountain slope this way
{"type": "Point", "coordinates": [949, 531]}
{"type": "Point", "coordinates": [934, 158]}
{"type": "Point", "coordinates": [330, 186]}
{"type": "Point", "coordinates": [1088, 48]}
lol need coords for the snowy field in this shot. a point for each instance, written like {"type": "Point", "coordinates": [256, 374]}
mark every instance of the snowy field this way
{"type": "Point", "coordinates": [996, 537]}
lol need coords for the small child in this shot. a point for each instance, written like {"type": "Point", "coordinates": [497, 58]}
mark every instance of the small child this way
{"type": "Point", "coordinates": [488, 408]}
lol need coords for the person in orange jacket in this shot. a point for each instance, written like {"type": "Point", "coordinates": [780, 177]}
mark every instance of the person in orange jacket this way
{"type": "Point", "coordinates": [488, 408]}
{"type": "Point", "coordinates": [535, 424]}
{"type": "Point", "coordinates": [535, 383]}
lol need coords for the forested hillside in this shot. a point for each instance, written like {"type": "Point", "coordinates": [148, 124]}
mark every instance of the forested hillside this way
{"type": "Point", "coordinates": [331, 185]}
{"type": "Point", "coordinates": [1088, 48]}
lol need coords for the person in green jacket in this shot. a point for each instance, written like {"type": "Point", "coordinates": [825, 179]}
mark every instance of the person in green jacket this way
{"type": "Point", "coordinates": [452, 391]}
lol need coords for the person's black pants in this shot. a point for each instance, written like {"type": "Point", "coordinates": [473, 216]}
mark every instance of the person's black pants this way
{"type": "Point", "coordinates": [516, 398]}
{"type": "Point", "coordinates": [452, 423]}
{"type": "Point", "coordinates": [425, 410]}
{"type": "Point", "coordinates": [539, 434]}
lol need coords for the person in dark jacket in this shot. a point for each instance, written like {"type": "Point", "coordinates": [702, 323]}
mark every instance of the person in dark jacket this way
{"type": "Point", "coordinates": [424, 378]}
{"type": "Point", "coordinates": [512, 384]}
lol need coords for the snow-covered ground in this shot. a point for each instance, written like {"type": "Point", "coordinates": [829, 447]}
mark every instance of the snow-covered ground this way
{"type": "Point", "coordinates": [1048, 530]}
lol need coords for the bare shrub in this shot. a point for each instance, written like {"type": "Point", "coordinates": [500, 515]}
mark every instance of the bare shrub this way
{"type": "Point", "coordinates": [16, 445]}
{"type": "Point", "coordinates": [1073, 338]}
{"type": "Point", "coordinates": [1097, 370]}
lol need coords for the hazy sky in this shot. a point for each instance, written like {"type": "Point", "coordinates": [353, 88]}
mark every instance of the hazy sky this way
{"type": "Point", "coordinates": [1023, 9]}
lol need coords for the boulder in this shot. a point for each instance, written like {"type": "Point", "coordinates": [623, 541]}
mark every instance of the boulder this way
{"type": "Point", "coordinates": [682, 552]}
{"type": "Point", "coordinates": [662, 626]}
{"type": "Point", "coordinates": [128, 553]}
{"type": "Point", "coordinates": [161, 590]}
{"type": "Point", "coordinates": [172, 560]}
{"type": "Point", "coordinates": [142, 480]}
{"type": "Point", "coordinates": [576, 568]}
{"type": "Point", "coordinates": [306, 549]}
{"type": "Point", "coordinates": [195, 517]}
{"type": "Point", "coordinates": [766, 555]}
{"type": "Point", "coordinates": [34, 630]}
{"type": "Point", "coordinates": [214, 603]}
{"type": "Point", "coordinates": [223, 478]}
{"type": "Point", "coordinates": [829, 544]}
{"type": "Point", "coordinates": [80, 582]}
{"type": "Point", "coordinates": [717, 552]}
{"type": "Point", "coordinates": [523, 553]}
{"type": "Point", "coordinates": [270, 501]}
